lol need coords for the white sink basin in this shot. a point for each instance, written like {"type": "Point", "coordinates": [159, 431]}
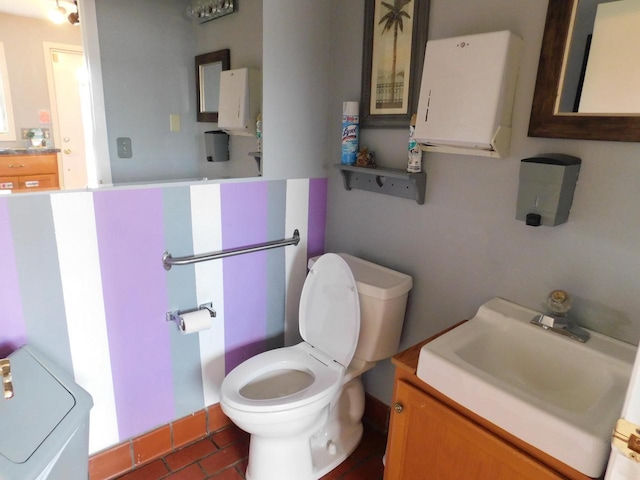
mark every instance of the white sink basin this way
{"type": "Point", "coordinates": [558, 395]}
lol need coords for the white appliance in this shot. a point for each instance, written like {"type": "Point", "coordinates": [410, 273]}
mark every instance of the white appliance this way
{"type": "Point", "coordinates": [240, 101]}
{"type": "Point", "coordinates": [620, 466]}
{"type": "Point", "coordinates": [467, 92]}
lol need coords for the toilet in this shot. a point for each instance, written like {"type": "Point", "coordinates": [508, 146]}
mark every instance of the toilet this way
{"type": "Point", "coordinates": [303, 404]}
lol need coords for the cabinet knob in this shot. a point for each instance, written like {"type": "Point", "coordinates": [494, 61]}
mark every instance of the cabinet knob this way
{"type": "Point", "coordinates": [67, 151]}
{"type": "Point", "coordinates": [398, 407]}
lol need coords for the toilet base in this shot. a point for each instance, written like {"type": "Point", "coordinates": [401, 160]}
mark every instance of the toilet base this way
{"type": "Point", "coordinates": [342, 432]}
{"type": "Point", "coordinates": [335, 436]}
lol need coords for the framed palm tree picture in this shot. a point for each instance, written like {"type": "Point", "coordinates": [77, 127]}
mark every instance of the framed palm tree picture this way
{"type": "Point", "coordinates": [395, 36]}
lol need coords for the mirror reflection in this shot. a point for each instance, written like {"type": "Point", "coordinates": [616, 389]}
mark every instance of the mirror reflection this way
{"type": "Point", "coordinates": [601, 69]}
{"type": "Point", "coordinates": [558, 112]}
{"type": "Point", "coordinates": [146, 51]}
{"type": "Point", "coordinates": [209, 66]}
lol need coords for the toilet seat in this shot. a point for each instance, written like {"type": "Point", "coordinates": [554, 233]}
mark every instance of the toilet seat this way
{"type": "Point", "coordinates": [326, 379]}
{"type": "Point", "coordinates": [311, 371]}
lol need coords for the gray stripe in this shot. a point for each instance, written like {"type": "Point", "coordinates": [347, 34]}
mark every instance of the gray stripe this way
{"type": "Point", "coordinates": [277, 201]}
{"type": "Point", "coordinates": [39, 277]}
{"type": "Point", "coordinates": [188, 391]}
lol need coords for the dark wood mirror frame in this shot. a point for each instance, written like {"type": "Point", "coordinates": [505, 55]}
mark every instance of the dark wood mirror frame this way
{"type": "Point", "coordinates": [545, 122]}
{"type": "Point", "coordinates": [222, 56]}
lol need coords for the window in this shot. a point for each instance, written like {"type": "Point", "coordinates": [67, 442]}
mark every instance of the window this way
{"type": "Point", "coordinates": [7, 125]}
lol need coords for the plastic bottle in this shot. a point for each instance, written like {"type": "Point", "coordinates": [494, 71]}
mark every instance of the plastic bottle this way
{"type": "Point", "coordinates": [259, 132]}
{"type": "Point", "coordinates": [414, 164]}
{"type": "Point", "coordinates": [350, 126]}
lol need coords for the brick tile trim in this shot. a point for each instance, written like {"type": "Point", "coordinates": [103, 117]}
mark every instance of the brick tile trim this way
{"type": "Point", "coordinates": [120, 459]}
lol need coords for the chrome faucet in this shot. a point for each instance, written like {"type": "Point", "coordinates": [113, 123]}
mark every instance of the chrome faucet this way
{"type": "Point", "coordinates": [556, 321]}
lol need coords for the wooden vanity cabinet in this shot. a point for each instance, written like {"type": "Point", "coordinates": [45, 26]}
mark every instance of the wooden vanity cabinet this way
{"type": "Point", "coordinates": [433, 438]}
{"type": "Point", "coordinates": [27, 173]}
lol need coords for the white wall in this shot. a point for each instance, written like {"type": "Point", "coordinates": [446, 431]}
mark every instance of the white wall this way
{"type": "Point", "coordinates": [464, 246]}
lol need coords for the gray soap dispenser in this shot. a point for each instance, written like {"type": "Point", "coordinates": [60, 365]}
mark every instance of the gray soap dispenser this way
{"type": "Point", "coordinates": [545, 193]}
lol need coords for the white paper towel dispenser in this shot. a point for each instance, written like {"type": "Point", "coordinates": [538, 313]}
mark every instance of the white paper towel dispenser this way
{"type": "Point", "coordinates": [467, 92]}
{"type": "Point", "coordinates": [240, 101]}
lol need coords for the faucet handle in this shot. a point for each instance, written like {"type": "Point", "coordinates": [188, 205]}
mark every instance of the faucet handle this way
{"type": "Point", "coordinates": [559, 302]}
{"type": "Point", "coordinates": [5, 373]}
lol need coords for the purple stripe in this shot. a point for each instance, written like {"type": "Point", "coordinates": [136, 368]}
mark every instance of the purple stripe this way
{"type": "Point", "coordinates": [12, 327]}
{"type": "Point", "coordinates": [244, 222]}
{"type": "Point", "coordinates": [317, 216]}
{"type": "Point", "coordinates": [131, 241]}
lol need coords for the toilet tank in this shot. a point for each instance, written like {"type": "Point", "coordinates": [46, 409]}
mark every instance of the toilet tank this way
{"type": "Point", "coordinates": [383, 300]}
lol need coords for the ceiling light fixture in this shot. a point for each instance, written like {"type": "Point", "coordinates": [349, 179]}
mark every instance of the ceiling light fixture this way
{"type": "Point", "coordinates": [57, 15]}
{"type": "Point", "coordinates": [74, 17]}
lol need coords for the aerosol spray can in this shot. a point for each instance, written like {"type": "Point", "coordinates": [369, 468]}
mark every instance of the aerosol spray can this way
{"type": "Point", "coordinates": [414, 164]}
{"type": "Point", "coordinates": [350, 125]}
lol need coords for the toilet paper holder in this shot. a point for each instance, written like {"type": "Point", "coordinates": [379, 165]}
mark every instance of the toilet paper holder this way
{"type": "Point", "coordinates": [174, 315]}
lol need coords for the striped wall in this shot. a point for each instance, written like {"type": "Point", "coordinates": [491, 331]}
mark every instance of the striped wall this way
{"type": "Point", "coordinates": [81, 279]}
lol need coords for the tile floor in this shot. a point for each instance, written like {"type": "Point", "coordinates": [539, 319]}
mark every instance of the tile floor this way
{"type": "Point", "coordinates": [223, 456]}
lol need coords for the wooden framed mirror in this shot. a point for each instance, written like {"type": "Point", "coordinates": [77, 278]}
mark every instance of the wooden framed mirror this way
{"type": "Point", "coordinates": [548, 119]}
{"type": "Point", "coordinates": [208, 69]}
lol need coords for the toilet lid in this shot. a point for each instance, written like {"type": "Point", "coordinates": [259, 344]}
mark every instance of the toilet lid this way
{"type": "Point", "coordinates": [330, 309]}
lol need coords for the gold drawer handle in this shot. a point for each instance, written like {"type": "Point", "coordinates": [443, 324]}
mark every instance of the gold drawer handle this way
{"type": "Point", "coordinates": [5, 370]}
{"type": "Point", "coordinates": [16, 166]}
{"type": "Point", "coordinates": [398, 407]}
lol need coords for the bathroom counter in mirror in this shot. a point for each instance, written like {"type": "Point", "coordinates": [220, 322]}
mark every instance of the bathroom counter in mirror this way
{"type": "Point", "coordinates": [27, 170]}
{"type": "Point", "coordinates": [429, 432]}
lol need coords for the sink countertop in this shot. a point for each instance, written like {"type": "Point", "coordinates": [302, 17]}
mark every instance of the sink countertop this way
{"type": "Point", "coordinates": [27, 151]}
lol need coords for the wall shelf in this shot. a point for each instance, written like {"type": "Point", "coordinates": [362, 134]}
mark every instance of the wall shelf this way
{"type": "Point", "coordinates": [257, 156]}
{"type": "Point", "coordinates": [390, 181]}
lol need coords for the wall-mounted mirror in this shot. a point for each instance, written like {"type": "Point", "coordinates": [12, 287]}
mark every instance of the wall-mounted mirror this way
{"type": "Point", "coordinates": [570, 99]}
{"type": "Point", "coordinates": [208, 69]}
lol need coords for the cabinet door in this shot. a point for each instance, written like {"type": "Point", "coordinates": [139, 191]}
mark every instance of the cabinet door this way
{"type": "Point", "coordinates": [430, 441]}
{"type": "Point", "coordinates": [8, 183]}
{"type": "Point", "coordinates": [28, 164]}
{"type": "Point", "coordinates": [39, 182]}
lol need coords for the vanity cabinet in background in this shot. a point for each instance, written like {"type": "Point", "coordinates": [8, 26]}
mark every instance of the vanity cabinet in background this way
{"type": "Point", "coordinates": [30, 172]}
{"type": "Point", "coordinates": [433, 438]}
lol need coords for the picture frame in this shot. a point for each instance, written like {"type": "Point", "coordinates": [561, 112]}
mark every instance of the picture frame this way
{"type": "Point", "coordinates": [395, 37]}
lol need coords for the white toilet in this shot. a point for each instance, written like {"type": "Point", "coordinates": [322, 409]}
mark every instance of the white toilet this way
{"type": "Point", "coordinates": [303, 405]}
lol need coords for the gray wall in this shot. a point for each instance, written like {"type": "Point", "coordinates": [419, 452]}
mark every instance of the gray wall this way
{"type": "Point", "coordinates": [146, 50]}
{"type": "Point", "coordinates": [464, 246]}
{"type": "Point", "coordinates": [240, 32]}
{"type": "Point", "coordinates": [22, 38]}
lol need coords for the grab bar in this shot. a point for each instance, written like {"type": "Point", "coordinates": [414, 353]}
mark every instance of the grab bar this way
{"type": "Point", "coordinates": [168, 261]}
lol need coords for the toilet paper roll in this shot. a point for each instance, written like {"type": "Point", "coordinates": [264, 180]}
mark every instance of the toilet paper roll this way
{"type": "Point", "coordinates": [195, 321]}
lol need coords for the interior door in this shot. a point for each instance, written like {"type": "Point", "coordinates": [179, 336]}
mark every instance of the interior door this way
{"type": "Point", "coordinates": [620, 466]}
{"type": "Point", "coordinates": [67, 84]}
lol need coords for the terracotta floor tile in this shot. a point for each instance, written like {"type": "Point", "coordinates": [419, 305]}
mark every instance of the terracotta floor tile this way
{"type": "Point", "coordinates": [216, 419]}
{"type": "Point", "coordinates": [189, 454]}
{"type": "Point", "coordinates": [111, 462]}
{"type": "Point", "coordinates": [152, 445]}
{"type": "Point", "coordinates": [229, 435]}
{"type": "Point", "coordinates": [192, 472]}
{"type": "Point", "coordinates": [228, 474]}
{"type": "Point", "coordinates": [189, 429]}
{"type": "Point", "coordinates": [225, 457]}
{"type": "Point", "coordinates": [153, 471]}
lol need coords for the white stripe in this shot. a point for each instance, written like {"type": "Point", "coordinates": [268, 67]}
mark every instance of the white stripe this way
{"type": "Point", "coordinates": [206, 220]}
{"type": "Point", "coordinates": [297, 216]}
{"type": "Point", "coordinates": [77, 241]}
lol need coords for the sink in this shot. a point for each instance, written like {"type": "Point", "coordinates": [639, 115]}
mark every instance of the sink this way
{"type": "Point", "coordinates": [558, 395]}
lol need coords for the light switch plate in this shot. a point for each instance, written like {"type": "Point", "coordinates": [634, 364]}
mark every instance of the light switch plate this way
{"type": "Point", "coordinates": [124, 147]}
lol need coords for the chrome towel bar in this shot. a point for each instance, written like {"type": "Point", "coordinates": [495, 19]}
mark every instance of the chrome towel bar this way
{"type": "Point", "coordinates": [168, 261]}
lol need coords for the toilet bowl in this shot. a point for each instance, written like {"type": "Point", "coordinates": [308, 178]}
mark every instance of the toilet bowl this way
{"type": "Point", "coordinates": [303, 404]}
